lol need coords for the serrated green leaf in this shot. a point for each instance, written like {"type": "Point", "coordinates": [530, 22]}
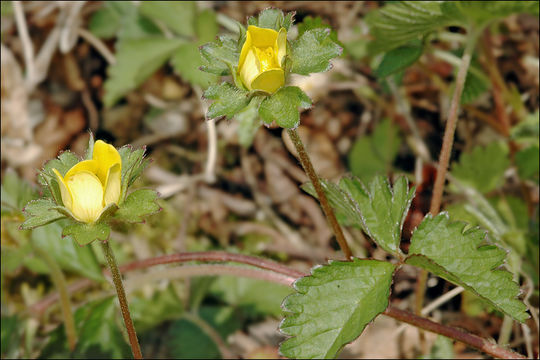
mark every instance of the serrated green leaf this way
{"type": "Point", "coordinates": [282, 107]}
{"type": "Point", "coordinates": [527, 160]}
{"type": "Point", "coordinates": [228, 100]}
{"type": "Point", "coordinates": [84, 234]}
{"type": "Point", "coordinates": [399, 58]}
{"type": "Point", "coordinates": [179, 16]}
{"type": "Point", "coordinates": [271, 18]}
{"type": "Point", "coordinates": [312, 52]}
{"type": "Point", "coordinates": [40, 212]}
{"type": "Point", "coordinates": [248, 122]}
{"type": "Point", "coordinates": [136, 60]}
{"type": "Point", "coordinates": [398, 23]}
{"type": "Point", "coordinates": [382, 209]}
{"type": "Point", "coordinates": [68, 255]}
{"type": "Point", "coordinates": [333, 306]}
{"type": "Point", "coordinates": [483, 168]}
{"type": "Point", "coordinates": [374, 154]}
{"type": "Point", "coordinates": [482, 12]}
{"type": "Point", "coordinates": [138, 204]}
{"type": "Point", "coordinates": [444, 249]}
{"type": "Point", "coordinates": [186, 61]}
{"type": "Point", "coordinates": [309, 23]}
{"type": "Point", "coordinates": [221, 56]}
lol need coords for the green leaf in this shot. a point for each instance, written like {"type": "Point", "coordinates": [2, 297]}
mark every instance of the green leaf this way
{"type": "Point", "coordinates": [272, 18]}
{"type": "Point", "coordinates": [68, 255]}
{"type": "Point", "coordinates": [527, 131]}
{"type": "Point", "coordinates": [221, 56]}
{"type": "Point", "coordinates": [228, 100]}
{"type": "Point", "coordinates": [443, 348]}
{"type": "Point", "coordinates": [382, 209]}
{"type": "Point", "coordinates": [148, 313]}
{"type": "Point", "coordinates": [138, 204]}
{"type": "Point", "coordinates": [10, 334]}
{"type": "Point", "coordinates": [282, 107]}
{"type": "Point", "coordinates": [483, 168]}
{"type": "Point", "coordinates": [248, 122]}
{"type": "Point", "coordinates": [482, 12]}
{"type": "Point", "coordinates": [206, 26]}
{"type": "Point", "coordinates": [186, 61]}
{"type": "Point", "coordinates": [309, 23]}
{"type": "Point", "coordinates": [40, 212]}
{"type": "Point", "coordinates": [474, 87]}
{"type": "Point", "coordinates": [312, 52]}
{"type": "Point", "coordinates": [444, 249]}
{"type": "Point", "coordinates": [399, 58]}
{"type": "Point", "coordinates": [133, 163]}
{"type": "Point", "coordinates": [105, 22]}
{"type": "Point", "coordinates": [15, 192]}
{"type": "Point", "coordinates": [179, 16]}
{"type": "Point", "coordinates": [374, 154]}
{"type": "Point", "coordinates": [136, 60]}
{"type": "Point", "coordinates": [398, 23]}
{"type": "Point", "coordinates": [333, 306]}
{"type": "Point", "coordinates": [527, 160]}
{"type": "Point", "coordinates": [84, 234]}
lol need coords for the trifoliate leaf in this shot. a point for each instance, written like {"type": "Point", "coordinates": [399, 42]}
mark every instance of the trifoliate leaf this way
{"type": "Point", "coordinates": [138, 205]}
{"type": "Point", "coordinates": [445, 250]}
{"type": "Point", "coordinates": [527, 160]}
{"type": "Point", "coordinates": [333, 306]}
{"type": "Point", "coordinates": [382, 209]}
{"type": "Point", "coordinates": [397, 23]}
{"type": "Point", "coordinates": [399, 58]}
{"type": "Point", "coordinates": [136, 60]}
{"type": "Point", "coordinates": [228, 100]}
{"type": "Point", "coordinates": [40, 212]}
{"type": "Point", "coordinates": [84, 234]}
{"type": "Point", "coordinates": [483, 168]}
{"type": "Point", "coordinates": [282, 107]}
{"type": "Point", "coordinates": [312, 52]}
{"type": "Point", "coordinates": [221, 56]}
{"type": "Point", "coordinates": [186, 61]}
{"type": "Point", "coordinates": [179, 16]}
{"type": "Point", "coordinates": [374, 154]}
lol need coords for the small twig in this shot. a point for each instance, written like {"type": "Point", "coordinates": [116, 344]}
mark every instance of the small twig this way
{"type": "Point", "coordinates": [441, 300]}
{"type": "Point", "coordinates": [210, 168]}
{"type": "Point", "coordinates": [98, 45]}
{"type": "Point", "coordinates": [28, 47]}
{"type": "Point", "coordinates": [117, 279]}
{"type": "Point", "coordinates": [310, 171]}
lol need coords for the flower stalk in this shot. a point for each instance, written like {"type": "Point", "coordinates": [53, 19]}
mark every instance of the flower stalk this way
{"type": "Point", "coordinates": [117, 279]}
{"type": "Point", "coordinates": [328, 211]}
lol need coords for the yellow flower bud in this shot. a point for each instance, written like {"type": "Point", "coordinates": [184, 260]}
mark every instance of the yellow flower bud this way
{"type": "Point", "coordinates": [90, 185]}
{"type": "Point", "coordinates": [261, 57]}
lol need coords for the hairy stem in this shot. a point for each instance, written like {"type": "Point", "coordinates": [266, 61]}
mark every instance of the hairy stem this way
{"type": "Point", "coordinates": [310, 172]}
{"type": "Point", "coordinates": [401, 315]}
{"type": "Point", "coordinates": [117, 279]}
{"type": "Point", "coordinates": [60, 283]}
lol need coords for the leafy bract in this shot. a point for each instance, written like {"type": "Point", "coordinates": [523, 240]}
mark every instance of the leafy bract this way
{"type": "Point", "coordinates": [272, 18]}
{"type": "Point", "coordinates": [444, 249]}
{"type": "Point", "coordinates": [84, 234]}
{"type": "Point", "coordinates": [374, 154]}
{"type": "Point", "coordinates": [40, 212]}
{"type": "Point", "coordinates": [483, 168]}
{"type": "Point", "coordinates": [311, 52]}
{"type": "Point", "coordinates": [133, 163]}
{"type": "Point", "coordinates": [136, 60]}
{"type": "Point", "coordinates": [221, 56]}
{"type": "Point", "coordinates": [382, 209]}
{"type": "Point", "coordinates": [282, 107]}
{"type": "Point", "coordinates": [228, 100]}
{"type": "Point", "coordinates": [138, 205]}
{"type": "Point", "coordinates": [333, 306]}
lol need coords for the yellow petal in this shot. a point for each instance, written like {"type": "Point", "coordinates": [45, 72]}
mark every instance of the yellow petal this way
{"type": "Point", "coordinates": [269, 81]}
{"type": "Point", "coordinates": [281, 44]}
{"type": "Point", "coordinates": [262, 37]}
{"type": "Point", "coordinates": [113, 185]}
{"type": "Point", "coordinates": [106, 156]}
{"type": "Point", "coordinates": [87, 194]}
{"type": "Point", "coordinates": [245, 49]}
{"type": "Point", "coordinates": [86, 165]}
{"type": "Point", "coordinates": [64, 190]}
{"type": "Point", "coordinates": [250, 70]}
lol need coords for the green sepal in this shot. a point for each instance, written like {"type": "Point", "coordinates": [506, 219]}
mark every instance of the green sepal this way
{"type": "Point", "coordinates": [138, 204]}
{"type": "Point", "coordinates": [133, 163]}
{"type": "Point", "coordinates": [40, 212]}
{"type": "Point", "coordinates": [282, 107]}
{"type": "Point", "coordinates": [47, 178]}
{"type": "Point", "coordinates": [220, 56]}
{"type": "Point", "coordinates": [90, 150]}
{"type": "Point", "coordinates": [84, 234]}
{"type": "Point", "coordinates": [229, 100]}
{"type": "Point", "coordinates": [311, 52]}
{"type": "Point", "coordinates": [272, 18]}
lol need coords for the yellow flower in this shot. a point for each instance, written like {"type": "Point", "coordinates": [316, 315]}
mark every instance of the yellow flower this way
{"type": "Point", "coordinates": [90, 185]}
{"type": "Point", "coordinates": [260, 59]}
